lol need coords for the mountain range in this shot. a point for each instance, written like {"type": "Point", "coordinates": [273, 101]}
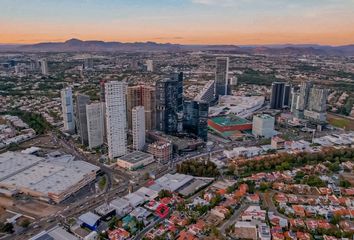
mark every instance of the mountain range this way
{"type": "Point", "coordinates": [76, 45]}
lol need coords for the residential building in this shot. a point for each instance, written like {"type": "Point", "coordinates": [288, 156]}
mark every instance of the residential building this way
{"type": "Point", "coordinates": [317, 106]}
{"type": "Point", "coordinates": [95, 124]}
{"type": "Point", "coordinates": [138, 131]}
{"type": "Point", "coordinates": [162, 151]}
{"type": "Point", "coordinates": [142, 96]}
{"type": "Point", "coordinates": [44, 66]}
{"type": "Point", "coordinates": [115, 96]}
{"type": "Point", "coordinates": [221, 76]}
{"type": "Point", "coordinates": [263, 126]}
{"type": "Point", "coordinates": [68, 109]}
{"type": "Point", "coordinates": [81, 117]}
{"type": "Point", "coordinates": [149, 65]}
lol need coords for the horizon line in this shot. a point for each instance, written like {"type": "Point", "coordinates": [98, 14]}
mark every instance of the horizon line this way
{"type": "Point", "coordinates": [186, 44]}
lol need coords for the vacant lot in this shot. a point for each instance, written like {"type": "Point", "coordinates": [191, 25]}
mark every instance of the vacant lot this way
{"type": "Point", "coordinates": [341, 122]}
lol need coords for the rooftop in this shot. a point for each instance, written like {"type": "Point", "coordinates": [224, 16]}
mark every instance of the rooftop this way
{"type": "Point", "coordinates": [229, 120]}
{"type": "Point", "coordinates": [135, 157]}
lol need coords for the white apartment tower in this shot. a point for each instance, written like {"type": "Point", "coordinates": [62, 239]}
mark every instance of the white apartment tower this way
{"type": "Point", "coordinates": [138, 127]}
{"type": "Point", "coordinates": [95, 124]}
{"type": "Point", "coordinates": [149, 65]}
{"type": "Point", "coordinates": [44, 66]}
{"type": "Point", "coordinates": [68, 109]}
{"type": "Point", "coordinates": [116, 118]}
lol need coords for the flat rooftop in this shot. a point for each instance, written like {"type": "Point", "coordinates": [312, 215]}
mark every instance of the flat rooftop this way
{"type": "Point", "coordinates": [229, 120]}
{"type": "Point", "coordinates": [135, 157]}
{"type": "Point", "coordinates": [45, 175]}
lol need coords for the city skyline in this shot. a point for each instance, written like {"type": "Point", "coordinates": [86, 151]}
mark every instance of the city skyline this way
{"type": "Point", "coordinates": [244, 22]}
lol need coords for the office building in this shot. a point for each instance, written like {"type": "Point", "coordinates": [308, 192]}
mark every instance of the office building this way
{"type": "Point", "coordinates": [280, 97]}
{"type": "Point", "coordinates": [149, 65]}
{"type": "Point", "coordinates": [116, 120]}
{"type": "Point", "coordinates": [287, 96]}
{"type": "Point", "coordinates": [68, 109]}
{"type": "Point", "coordinates": [208, 92]}
{"type": "Point", "coordinates": [263, 126]}
{"type": "Point", "coordinates": [142, 96]}
{"type": "Point", "coordinates": [221, 76]}
{"type": "Point", "coordinates": [196, 118]}
{"type": "Point", "coordinates": [95, 124]}
{"type": "Point", "coordinates": [81, 117]}
{"type": "Point", "coordinates": [138, 128]}
{"type": "Point", "coordinates": [169, 104]}
{"type": "Point", "coordinates": [44, 66]}
{"type": "Point", "coordinates": [162, 151]}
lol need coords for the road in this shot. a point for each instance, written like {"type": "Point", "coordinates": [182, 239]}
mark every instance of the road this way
{"type": "Point", "coordinates": [233, 218]}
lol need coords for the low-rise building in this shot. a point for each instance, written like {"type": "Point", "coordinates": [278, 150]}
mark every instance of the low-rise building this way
{"type": "Point", "coordinates": [135, 160]}
{"type": "Point", "coordinates": [246, 230]}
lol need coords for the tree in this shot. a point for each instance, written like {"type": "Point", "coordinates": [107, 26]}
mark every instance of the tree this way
{"type": "Point", "coordinates": [344, 184]}
{"type": "Point", "coordinates": [164, 193]}
{"type": "Point", "coordinates": [112, 223]}
{"type": "Point", "coordinates": [25, 223]}
{"type": "Point", "coordinates": [7, 228]}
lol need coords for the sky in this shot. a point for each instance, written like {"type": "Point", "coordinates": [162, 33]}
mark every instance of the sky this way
{"type": "Point", "coordinates": [239, 22]}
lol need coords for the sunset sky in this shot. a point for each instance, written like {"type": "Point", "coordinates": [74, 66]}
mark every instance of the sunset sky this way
{"type": "Point", "coordinates": [179, 21]}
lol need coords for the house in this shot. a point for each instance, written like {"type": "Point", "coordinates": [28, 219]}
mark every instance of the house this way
{"type": "Point", "coordinates": [121, 206]}
{"type": "Point", "coordinates": [254, 198]}
{"type": "Point", "coordinates": [197, 228]}
{"type": "Point", "coordinates": [184, 235]}
{"type": "Point", "coordinates": [299, 210]}
{"type": "Point", "coordinates": [253, 213]}
{"type": "Point", "coordinates": [297, 223]}
{"type": "Point", "coordinates": [277, 142]}
{"type": "Point", "coordinates": [246, 230]}
{"type": "Point", "coordinates": [263, 232]}
{"type": "Point", "coordinates": [277, 221]}
{"type": "Point", "coordinates": [89, 220]}
{"type": "Point", "coordinates": [220, 211]}
{"type": "Point", "coordinates": [303, 236]}
{"type": "Point", "coordinates": [118, 234]}
{"type": "Point", "coordinates": [278, 236]}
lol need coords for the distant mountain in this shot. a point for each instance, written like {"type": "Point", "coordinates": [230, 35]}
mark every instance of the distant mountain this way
{"type": "Point", "coordinates": [76, 45]}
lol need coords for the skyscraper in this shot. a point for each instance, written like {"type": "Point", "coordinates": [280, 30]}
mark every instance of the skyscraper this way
{"type": "Point", "coordinates": [196, 118]}
{"type": "Point", "coordinates": [149, 65]}
{"type": "Point", "coordinates": [44, 66]}
{"type": "Point", "coordinates": [280, 96]}
{"type": "Point", "coordinates": [287, 95]}
{"type": "Point", "coordinates": [169, 104]}
{"type": "Point", "coordinates": [142, 96]}
{"type": "Point", "coordinates": [277, 96]}
{"type": "Point", "coordinates": [207, 94]}
{"type": "Point", "coordinates": [115, 95]}
{"type": "Point", "coordinates": [134, 98]}
{"type": "Point", "coordinates": [95, 124]}
{"type": "Point", "coordinates": [81, 117]}
{"type": "Point", "coordinates": [138, 118]}
{"type": "Point", "coordinates": [304, 94]}
{"type": "Point", "coordinates": [68, 109]}
{"type": "Point", "coordinates": [221, 76]}
{"type": "Point", "coordinates": [317, 106]}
